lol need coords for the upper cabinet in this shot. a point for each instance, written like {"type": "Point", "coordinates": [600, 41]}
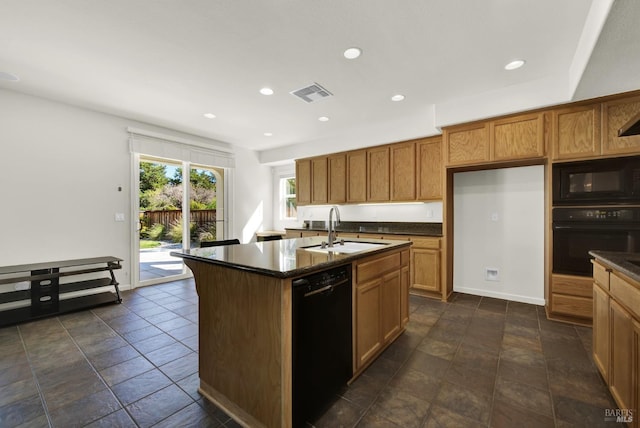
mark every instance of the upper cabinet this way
{"type": "Point", "coordinates": [575, 132]}
{"type": "Point", "coordinates": [467, 144]}
{"type": "Point", "coordinates": [403, 172]}
{"type": "Point", "coordinates": [337, 178]}
{"type": "Point", "coordinates": [378, 182]}
{"type": "Point", "coordinates": [303, 181]}
{"type": "Point", "coordinates": [615, 114]}
{"type": "Point", "coordinates": [512, 138]}
{"type": "Point", "coordinates": [519, 137]}
{"type": "Point", "coordinates": [409, 171]}
{"type": "Point", "coordinates": [319, 180]}
{"type": "Point", "coordinates": [357, 176]}
{"type": "Point", "coordinates": [429, 169]}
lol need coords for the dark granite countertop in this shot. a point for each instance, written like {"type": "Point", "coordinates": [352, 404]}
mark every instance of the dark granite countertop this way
{"type": "Point", "coordinates": [627, 263]}
{"type": "Point", "coordinates": [285, 258]}
{"type": "Point", "coordinates": [392, 228]}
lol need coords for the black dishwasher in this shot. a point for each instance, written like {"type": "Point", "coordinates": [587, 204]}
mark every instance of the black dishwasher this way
{"type": "Point", "coordinates": [321, 341]}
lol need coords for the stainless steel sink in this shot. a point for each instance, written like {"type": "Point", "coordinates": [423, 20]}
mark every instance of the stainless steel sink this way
{"type": "Point", "coordinates": [347, 247]}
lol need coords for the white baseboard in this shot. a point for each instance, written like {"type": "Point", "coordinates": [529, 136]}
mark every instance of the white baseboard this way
{"type": "Point", "coordinates": [504, 296]}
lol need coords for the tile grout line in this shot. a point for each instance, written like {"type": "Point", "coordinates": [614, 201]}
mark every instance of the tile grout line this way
{"type": "Point", "coordinates": [35, 378]}
{"type": "Point", "coordinates": [150, 362]}
{"type": "Point", "coordinates": [495, 379]}
{"type": "Point", "coordinates": [96, 371]}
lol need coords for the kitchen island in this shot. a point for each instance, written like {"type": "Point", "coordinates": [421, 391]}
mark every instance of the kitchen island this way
{"type": "Point", "coordinates": [246, 315]}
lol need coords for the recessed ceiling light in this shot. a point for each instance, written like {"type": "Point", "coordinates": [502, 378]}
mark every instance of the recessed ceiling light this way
{"type": "Point", "coordinates": [209, 115]}
{"type": "Point", "coordinates": [397, 97]}
{"type": "Point", "coordinates": [266, 91]}
{"type": "Point", "coordinates": [323, 118]}
{"type": "Point", "coordinates": [352, 53]}
{"type": "Point", "coordinates": [514, 64]}
{"type": "Point", "coordinates": [8, 76]}
{"type": "Point", "coordinates": [268, 134]}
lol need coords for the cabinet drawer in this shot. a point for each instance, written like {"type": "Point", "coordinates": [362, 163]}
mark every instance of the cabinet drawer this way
{"type": "Point", "coordinates": [626, 294]}
{"type": "Point", "coordinates": [572, 305]}
{"type": "Point", "coordinates": [433, 243]}
{"type": "Point", "coordinates": [601, 275]}
{"type": "Point", "coordinates": [572, 286]}
{"type": "Point", "coordinates": [376, 267]}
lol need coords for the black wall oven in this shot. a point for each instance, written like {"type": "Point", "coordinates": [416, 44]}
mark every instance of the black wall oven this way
{"type": "Point", "coordinates": [576, 231]}
{"type": "Point", "coordinates": [597, 182]}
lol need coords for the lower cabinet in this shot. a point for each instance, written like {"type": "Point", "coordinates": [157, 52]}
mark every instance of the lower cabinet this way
{"type": "Point", "coordinates": [381, 304]}
{"type": "Point", "coordinates": [571, 299]}
{"type": "Point", "coordinates": [390, 292]}
{"type": "Point", "coordinates": [616, 335]}
{"type": "Point", "coordinates": [621, 369]}
{"type": "Point", "coordinates": [368, 329]}
{"type": "Point", "coordinates": [601, 330]}
{"type": "Point", "coordinates": [405, 283]}
{"type": "Point", "coordinates": [425, 266]}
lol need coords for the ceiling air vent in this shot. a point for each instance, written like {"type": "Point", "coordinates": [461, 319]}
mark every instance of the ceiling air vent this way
{"type": "Point", "coordinates": [311, 93]}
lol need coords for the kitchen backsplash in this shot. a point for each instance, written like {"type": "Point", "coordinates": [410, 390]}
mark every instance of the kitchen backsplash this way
{"type": "Point", "coordinates": [430, 212]}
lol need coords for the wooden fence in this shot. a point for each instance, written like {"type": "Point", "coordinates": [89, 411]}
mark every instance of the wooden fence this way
{"type": "Point", "coordinates": [202, 218]}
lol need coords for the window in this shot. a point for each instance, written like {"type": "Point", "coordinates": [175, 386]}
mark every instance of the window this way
{"type": "Point", "coordinates": [288, 198]}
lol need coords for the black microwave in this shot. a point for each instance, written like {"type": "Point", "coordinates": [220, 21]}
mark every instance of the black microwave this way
{"type": "Point", "coordinates": [597, 182]}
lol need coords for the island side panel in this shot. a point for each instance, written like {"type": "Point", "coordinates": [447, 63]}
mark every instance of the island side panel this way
{"type": "Point", "coordinates": [245, 343]}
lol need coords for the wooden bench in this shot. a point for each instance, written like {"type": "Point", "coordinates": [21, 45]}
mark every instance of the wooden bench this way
{"type": "Point", "coordinates": [46, 295]}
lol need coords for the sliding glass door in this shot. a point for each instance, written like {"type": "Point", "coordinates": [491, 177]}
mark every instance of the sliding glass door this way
{"type": "Point", "coordinates": [170, 192]}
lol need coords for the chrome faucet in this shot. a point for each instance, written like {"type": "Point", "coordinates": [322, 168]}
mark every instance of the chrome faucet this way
{"type": "Point", "coordinates": [332, 226]}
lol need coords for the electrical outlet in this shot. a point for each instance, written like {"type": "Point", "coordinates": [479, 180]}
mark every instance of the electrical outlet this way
{"type": "Point", "coordinates": [491, 274]}
{"type": "Point", "coordinates": [119, 216]}
{"type": "Point", "coordinates": [494, 216]}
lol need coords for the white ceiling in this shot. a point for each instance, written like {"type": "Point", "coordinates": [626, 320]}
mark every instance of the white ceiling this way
{"type": "Point", "coordinates": [167, 62]}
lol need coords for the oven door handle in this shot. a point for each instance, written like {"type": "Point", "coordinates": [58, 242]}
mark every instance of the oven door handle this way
{"type": "Point", "coordinates": [599, 227]}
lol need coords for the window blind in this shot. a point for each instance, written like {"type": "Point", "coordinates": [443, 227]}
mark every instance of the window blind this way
{"type": "Point", "coordinates": [169, 147]}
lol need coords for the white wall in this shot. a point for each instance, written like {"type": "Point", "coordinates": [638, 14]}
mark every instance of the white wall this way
{"type": "Point", "coordinates": [62, 167]}
{"type": "Point", "coordinates": [499, 223]}
{"type": "Point", "coordinates": [252, 202]}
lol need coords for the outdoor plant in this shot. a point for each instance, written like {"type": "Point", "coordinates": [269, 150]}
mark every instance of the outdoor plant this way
{"type": "Point", "coordinates": [175, 231]}
{"type": "Point", "coordinates": [155, 232]}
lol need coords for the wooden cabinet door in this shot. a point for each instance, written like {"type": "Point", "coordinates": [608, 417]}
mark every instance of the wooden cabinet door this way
{"type": "Point", "coordinates": [635, 386]}
{"type": "Point", "coordinates": [303, 182]}
{"type": "Point", "coordinates": [319, 180]}
{"type": "Point", "coordinates": [621, 364]}
{"type": "Point", "coordinates": [403, 172]}
{"type": "Point", "coordinates": [378, 174]}
{"type": "Point", "coordinates": [575, 132]}
{"type": "Point", "coordinates": [337, 178]}
{"type": "Point", "coordinates": [615, 115]}
{"type": "Point", "coordinates": [390, 291]}
{"type": "Point", "coordinates": [429, 169]}
{"type": "Point", "coordinates": [293, 234]}
{"type": "Point", "coordinates": [368, 329]}
{"type": "Point", "coordinates": [466, 144]}
{"type": "Point", "coordinates": [357, 176]}
{"type": "Point", "coordinates": [601, 330]}
{"type": "Point", "coordinates": [425, 264]}
{"type": "Point", "coordinates": [405, 282]}
{"type": "Point", "coordinates": [518, 137]}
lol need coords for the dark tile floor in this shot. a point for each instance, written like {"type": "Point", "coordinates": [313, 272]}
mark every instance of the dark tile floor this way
{"type": "Point", "coordinates": [472, 362]}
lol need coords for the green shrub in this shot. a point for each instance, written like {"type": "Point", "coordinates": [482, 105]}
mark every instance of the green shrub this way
{"type": "Point", "coordinates": [175, 231]}
{"type": "Point", "coordinates": [155, 232]}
